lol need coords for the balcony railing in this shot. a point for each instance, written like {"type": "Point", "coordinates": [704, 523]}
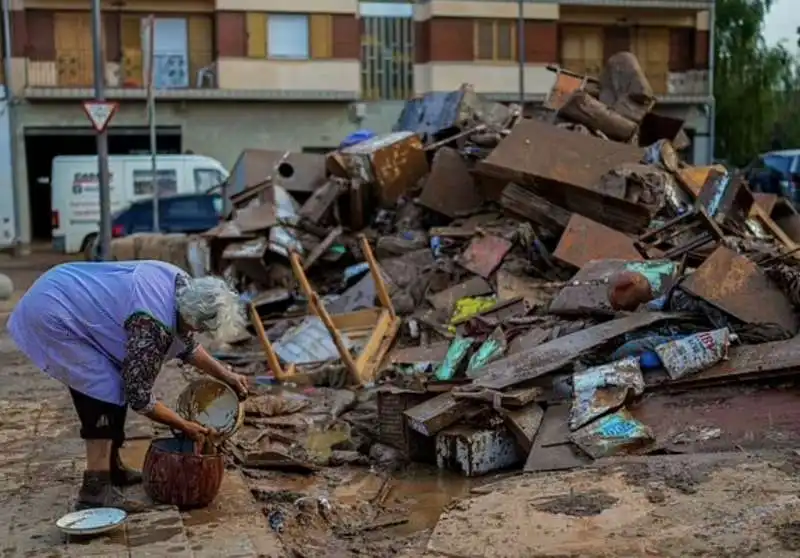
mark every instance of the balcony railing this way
{"type": "Point", "coordinates": [676, 4]}
{"type": "Point", "coordinates": [75, 70]}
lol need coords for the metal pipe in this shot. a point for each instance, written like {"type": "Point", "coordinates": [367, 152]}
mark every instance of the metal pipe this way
{"type": "Point", "coordinates": [102, 137]}
{"type": "Point", "coordinates": [712, 51]}
{"type": "Point", "coordinates": [11, 101]}
{"type": "Point", "coordinates": [151, 117]}
{"type": "Point", "coordinates": [521, 49]}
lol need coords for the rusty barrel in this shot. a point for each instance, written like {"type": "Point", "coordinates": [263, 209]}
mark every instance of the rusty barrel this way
{"type": "Point", "coordinates": [175, 475]}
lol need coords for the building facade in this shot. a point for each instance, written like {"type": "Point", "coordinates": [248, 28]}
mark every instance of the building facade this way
{"type": "Point", "coordinates": [268, 74]}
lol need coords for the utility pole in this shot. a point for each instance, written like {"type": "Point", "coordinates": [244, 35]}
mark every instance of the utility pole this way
{"type": "Point", "coordinates": [521, 49]}
{"type": "Point", "coordinates": [151, 116]}
{"type": "Point", "coordinates": [102, 135]}
{"type": "Point", "coordinates": [11, 102]}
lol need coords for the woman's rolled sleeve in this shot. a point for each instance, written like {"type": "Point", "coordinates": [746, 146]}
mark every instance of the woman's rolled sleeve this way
{"type": "Point", "coordinates": [147, 345]}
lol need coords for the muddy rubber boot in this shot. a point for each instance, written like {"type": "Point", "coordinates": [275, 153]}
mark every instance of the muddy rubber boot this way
{"type": "Point", "coordinates": [98, 492]}
{"type": "Point", "coordinates": [120, 474]}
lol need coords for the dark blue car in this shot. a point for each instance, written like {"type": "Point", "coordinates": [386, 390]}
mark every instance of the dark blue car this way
{"type": "Point", "coordinates": [183, 213]}
{"type": "Point", "coordinates": [776, 172]}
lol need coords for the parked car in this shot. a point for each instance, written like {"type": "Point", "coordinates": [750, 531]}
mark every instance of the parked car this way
{"type": "Point", "coordinates": [776, 172]}
{"type": "Point", "coordinates": [183, 213]}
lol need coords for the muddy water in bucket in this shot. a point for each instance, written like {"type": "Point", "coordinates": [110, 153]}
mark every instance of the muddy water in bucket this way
{"type": "Point", "coordinates": [174, 473]}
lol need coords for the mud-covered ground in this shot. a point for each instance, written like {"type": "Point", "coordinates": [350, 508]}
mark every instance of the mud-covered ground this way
{"type": "Point", "coordinates": [715, 506]}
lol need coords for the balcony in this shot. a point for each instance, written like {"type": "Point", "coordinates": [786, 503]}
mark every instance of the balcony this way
{"type": "Point", "coordinates": [675, 4]}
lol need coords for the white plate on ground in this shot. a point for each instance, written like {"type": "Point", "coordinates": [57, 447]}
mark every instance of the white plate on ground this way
{"type": "Point", "coordinates": [91, 522]}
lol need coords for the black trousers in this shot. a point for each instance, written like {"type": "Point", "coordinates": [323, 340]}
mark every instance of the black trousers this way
{"type": "Point", "coordinates": [100, 420]}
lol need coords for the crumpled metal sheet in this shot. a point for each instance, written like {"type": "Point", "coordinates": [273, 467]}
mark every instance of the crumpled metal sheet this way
{"type": "Point", "coordinates": [605, 388]}
{"type": "Point", "coordinates": [613, 434]}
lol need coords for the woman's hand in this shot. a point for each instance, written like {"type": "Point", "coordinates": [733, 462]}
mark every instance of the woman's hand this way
{"type": "Point", "coordinates": [238, 383]}
{"type": "Point", "coordinates": [196, 432]}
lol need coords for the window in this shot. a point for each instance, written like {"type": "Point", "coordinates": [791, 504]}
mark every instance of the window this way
{"type": "Point", "coordinates": [185, 208]}
{"type": "Point", "coordinates": [496, 40]}
{"type": "Point", "coordinates": [143, 182]}
{"type": "Point", "coordinates": [287, 36]}
{"type": "Point", "coordinates": [216, 202]}
{"type": "Point", "coordinates": [206, 179]}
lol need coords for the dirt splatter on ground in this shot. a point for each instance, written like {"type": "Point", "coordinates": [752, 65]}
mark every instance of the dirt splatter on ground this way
{"type": "Point", "coordinates": [789, 535]}
{"type": "Point", "coordinates": [581, 504]}
{"type": "Point", "coordinates": [681, 476]}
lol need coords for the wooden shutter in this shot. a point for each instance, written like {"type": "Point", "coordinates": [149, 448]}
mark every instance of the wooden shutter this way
{"type": "Point", "coordinates": [200, 41]}
{"type": "Point", "coordinates": [73, 38]}
{"type": "Point", "coordinates": [131, 39]}
{"type": "Point", "coordinates": [321, 36]}
{"type": "Point", "coordinates": [256, 35]}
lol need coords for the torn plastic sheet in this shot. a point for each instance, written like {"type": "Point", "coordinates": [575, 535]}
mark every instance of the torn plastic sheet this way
{"type": "Point", "coordinates": [695, 353]}
{"type": "Point", "coordinates": [602, 389]}
{"type": "Point", "coordinates": [492, 349]}
{"type": "Point", "coordinates": [613, 434]}
{"type": "Point", "coordinates": [455, 359]}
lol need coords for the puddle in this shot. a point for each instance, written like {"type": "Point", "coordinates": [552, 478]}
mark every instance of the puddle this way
{"type": "Point", "coordinates": [320, 442]}
{"type": "Point", "coordinates": [426, 493]}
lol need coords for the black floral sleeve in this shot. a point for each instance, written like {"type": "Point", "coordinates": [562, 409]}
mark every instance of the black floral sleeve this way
{"type": "Point", "coordinates": [146, 348]}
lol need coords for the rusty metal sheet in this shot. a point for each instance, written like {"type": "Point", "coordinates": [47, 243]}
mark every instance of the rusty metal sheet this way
{"type": "Point", "coordinates": [484, 254]}
{"type": "Point", "coordinates": [540, 151]}
{"type": "Point", "coordinates": [737, 286]}
{"type": "Point", "coordinates": [526, 203]}
{"type": "Point", "coordinates": [563, 87]}
{"type": "Point", "coordinates": [585, 240]}
{"type": "Point", "coordinates": [765, 201]}
{"type": "Point", "coordinates": [445, 300]}
{"type": "Point", "coordinates": [790, 225]}
{"type": "Point", "coordinates": [693, 178]}
{"type": "Point", "coordinates": [297, 172]}
{"type": "Point", "coordinates": [450, 188]}
{"type": "Point", "coordinates": [551, 356]}
{"type": "Point", "coordinates": [725, 418]}
{"type": "Point", "coordinates": [394, 163]}
{"type": "Point", "coordinates": [589, 293]}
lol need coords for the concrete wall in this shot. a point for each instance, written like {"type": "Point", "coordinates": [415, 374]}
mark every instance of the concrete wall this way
{"type": "Point", "coordinates": [217, 129]}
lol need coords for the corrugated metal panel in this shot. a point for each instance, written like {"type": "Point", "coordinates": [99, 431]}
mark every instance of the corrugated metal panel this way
{"type": "Point", "coordinates": [321, 27]}
{"type": "Point", "coordinates": [256, 35]}
{"type": "Point", "coordinates": [387, 57]}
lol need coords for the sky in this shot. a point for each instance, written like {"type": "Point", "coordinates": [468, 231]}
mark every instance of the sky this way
{"type": "Point", "coordinates": [782, 23]}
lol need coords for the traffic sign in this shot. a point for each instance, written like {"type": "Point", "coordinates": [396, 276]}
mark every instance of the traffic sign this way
{"type": "Point", "coordinates": [100, 113]}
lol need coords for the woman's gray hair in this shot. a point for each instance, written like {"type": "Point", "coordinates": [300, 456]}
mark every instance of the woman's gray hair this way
{"type": "Point", "coordinates": [209, 304]}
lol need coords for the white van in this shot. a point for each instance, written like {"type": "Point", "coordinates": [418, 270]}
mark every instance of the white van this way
{"type": "Point", "coordinates": [76, 196]}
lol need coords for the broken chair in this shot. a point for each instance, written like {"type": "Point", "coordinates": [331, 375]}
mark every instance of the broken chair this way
{"type": "Point", "coordinates": [376, 328]}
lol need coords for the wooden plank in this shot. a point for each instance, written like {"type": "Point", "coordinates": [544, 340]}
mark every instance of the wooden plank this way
{"type": "Point", "coordinates": [551, 356]}
{"type": "Point", "coordinates": [524, 423]}
{"type": "Point", "coordinates": [434, 415]}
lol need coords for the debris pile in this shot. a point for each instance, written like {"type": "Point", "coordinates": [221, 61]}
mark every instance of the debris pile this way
{"type": "Point", "coordinates": [482, 290]}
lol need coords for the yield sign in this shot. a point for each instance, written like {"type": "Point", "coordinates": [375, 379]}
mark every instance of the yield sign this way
{"type": "Point", "coordinates": [100, 113]}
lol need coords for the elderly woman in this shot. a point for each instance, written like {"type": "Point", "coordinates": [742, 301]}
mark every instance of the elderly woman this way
{"type": "Point", "coordinates": [104, 330]}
